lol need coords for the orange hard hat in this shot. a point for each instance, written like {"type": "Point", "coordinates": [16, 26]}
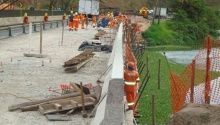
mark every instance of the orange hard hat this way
{"type": "Point", "coordinates": [131, 65]}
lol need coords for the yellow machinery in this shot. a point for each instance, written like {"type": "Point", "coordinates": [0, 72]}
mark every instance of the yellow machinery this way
{"type": "Point", "coordinates": [144, 11]}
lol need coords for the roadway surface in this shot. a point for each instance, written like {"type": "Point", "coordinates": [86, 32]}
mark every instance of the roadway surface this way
{"type": "Point", "coordinates": [23, 79]}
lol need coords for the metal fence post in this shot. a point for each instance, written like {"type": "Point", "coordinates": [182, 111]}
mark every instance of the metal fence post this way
{"type": "Point", "coordinates": [51, 25]}
{"type": "Point", "coordinates": [57, 23]}
{"type": "Point", "coordinates": [35, 27]}
{"type": "Point", "coordinates": [43, 25]}
{"type": "Point", "coordinates": [23, 28]}
{"type": "Point", "coordinates": [9, 31]}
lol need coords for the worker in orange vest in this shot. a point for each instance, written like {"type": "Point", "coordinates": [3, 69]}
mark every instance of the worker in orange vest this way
{"type": "Point", "coordinates": [45, 17]}
{"type": "Point", "coordinates": [82, 18]}
{"type": "Point", "coordinates": [130, 87]}
{"type": "Point", "coordinates": [25, 21]}
{"type": "Point", "coordinates": [94, 21]}
{"type": "Point", "coordinates": [71, 24]}
{"type": "Point", "coordinates": [76, 21]}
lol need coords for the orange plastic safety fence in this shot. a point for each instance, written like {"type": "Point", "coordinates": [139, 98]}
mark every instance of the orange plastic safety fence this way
{"type": "Point", "coordinates": [200, 81]}
{"type": "Point", "coordinates": [130, 56]}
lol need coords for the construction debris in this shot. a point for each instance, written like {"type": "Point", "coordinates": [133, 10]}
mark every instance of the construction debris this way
{"type": "Point", "coordinates": [58, 117]}
{"type": "Point", "coordinates": [100, 34]}
{"type": "Point", "coordinates": [94, 46]}
{"type": "Point", "coordinates": [78, 61]}
{"type": "Point", "coordinates": [66, 105]}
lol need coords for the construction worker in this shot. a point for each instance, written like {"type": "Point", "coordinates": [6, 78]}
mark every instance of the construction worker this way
{"type": "Point", "coordinates": [64, 16]}
{"type": "Point", "coordinates": [94, 23]}
{"type": "Point", "coordinates": [76, 20]}
{"type": "Point", "coordinates": [25, 21]}
{"type": "Point", "coordinates": [82, 18]}
{"type": "Point", "coordinates": [130, 77]}
{"type": "Point", "coordinates": [71, 24]}
{"type": "Point", "coordinates": [45, 17]}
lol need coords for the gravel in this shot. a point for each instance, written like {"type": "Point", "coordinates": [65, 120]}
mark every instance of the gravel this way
{"type": "Point", "coordinates": [24, 78]}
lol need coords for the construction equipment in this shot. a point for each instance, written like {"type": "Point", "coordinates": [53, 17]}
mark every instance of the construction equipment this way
{"type": "Point", "coordinates": [144, 12]}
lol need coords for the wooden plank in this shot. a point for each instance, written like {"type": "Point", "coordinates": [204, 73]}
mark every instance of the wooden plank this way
{"type": "Point", "coordinates": [35, 55]}
{"type": "Point", "coordinates": [75, 87]}
{"type": "Point", "coordinates": [57, 106]}
{"type": "Point", "coordinates": [36, 107]}
{"type": "Point", "coordinates": [18, 106]}
{"type": "Point", "coordinates": [66, 105]}
{"type": "Point", "coordinates": [58, 117]}
{"type": "Point", "coordinates": [75, 68]}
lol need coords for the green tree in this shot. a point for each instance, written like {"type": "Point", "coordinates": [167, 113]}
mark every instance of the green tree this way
{"type": "Point", "coordinates": [192, 19]}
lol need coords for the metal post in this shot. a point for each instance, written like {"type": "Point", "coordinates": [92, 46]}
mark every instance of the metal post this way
{"type": "Point", "coordinates": [41, 38]}
{"type": "Point", "coordinates": [23, 28]}
{"type": "Point", "coordinates": [9, 31]}
{"type": "Point", "coordinates": [58, 23]}
{"type": "Point", "coordinates": [43, 25]}
{"type": "Point", "coordinates": [51, 25]}
{"type": "Point", "coordinates": [35, 27]}
{"type": "Point", "coordinates": [62, 34]}
{"type": "Point", "coordinates": [147, 60]}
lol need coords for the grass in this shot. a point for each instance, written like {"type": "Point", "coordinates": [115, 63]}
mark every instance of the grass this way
{"type": "Point", "coordinates": [162, 96]}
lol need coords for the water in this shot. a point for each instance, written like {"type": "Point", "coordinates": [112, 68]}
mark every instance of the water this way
{"type": "Point", "coordinates": [181, 57]}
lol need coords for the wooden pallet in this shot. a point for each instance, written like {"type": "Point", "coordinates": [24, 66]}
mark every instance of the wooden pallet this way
{"type": "Point", "coordinates": [78, 61]}
{"type": "Point", "coordinates": [61, 106]}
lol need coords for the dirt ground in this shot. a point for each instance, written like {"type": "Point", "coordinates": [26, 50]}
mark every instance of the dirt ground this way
{"type": "Point", "coordinates": [23, 79]}
{"type": "Point", "coordinates": [197, 114]}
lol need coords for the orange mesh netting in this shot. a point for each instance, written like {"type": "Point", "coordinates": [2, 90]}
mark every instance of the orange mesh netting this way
{"type": "Point", "coordinates": [200, 81]}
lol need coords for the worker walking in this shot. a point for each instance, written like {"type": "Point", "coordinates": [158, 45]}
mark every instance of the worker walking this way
{"type": "Point", "coordinates": [130, 77]}
{"type": "Point", "coordinates": [94, 22]}
{"type": "Point", "coordinates": [82, 18]}
{"type": "Point", "coordinates": [71, 24]}
{"type": "Point", "coordinates": [76, 21]}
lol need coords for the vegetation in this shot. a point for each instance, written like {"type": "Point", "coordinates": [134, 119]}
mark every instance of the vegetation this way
{"type": "Point", "coordinates": [191, 23]}
{"type": "Point", "coordinates": [162, 96]}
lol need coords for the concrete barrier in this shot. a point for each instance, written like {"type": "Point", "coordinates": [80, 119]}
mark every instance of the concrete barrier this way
{"type": "Point", "coordinates": [111, 110]}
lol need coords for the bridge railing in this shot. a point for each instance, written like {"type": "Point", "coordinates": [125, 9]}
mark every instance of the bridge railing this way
{"type": "Point", "coordinates": [9, 30]}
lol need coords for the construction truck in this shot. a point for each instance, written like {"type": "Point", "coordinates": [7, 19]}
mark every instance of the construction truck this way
{"type": "Point", "coordinates": [160, 12]}
{"type": "Point", "coordinates": [90, 7]}
{"type": "Point", "coordinates": [144, 12]}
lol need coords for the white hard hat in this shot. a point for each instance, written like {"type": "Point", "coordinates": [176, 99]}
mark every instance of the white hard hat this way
{"type": "Point", "coordinates": [71, 11]}
{"type": "Point", "coordinates": [76, 13]}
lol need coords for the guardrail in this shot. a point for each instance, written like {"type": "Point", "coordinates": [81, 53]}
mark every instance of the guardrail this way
{"type": "Point", "coordinates": [22, 28]}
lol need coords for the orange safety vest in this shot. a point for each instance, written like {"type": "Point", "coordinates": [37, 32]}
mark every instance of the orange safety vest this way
{"type": "Point", "coordinates": [94, 19]}
{"type": "Point", "coordinates": [130, 78]}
